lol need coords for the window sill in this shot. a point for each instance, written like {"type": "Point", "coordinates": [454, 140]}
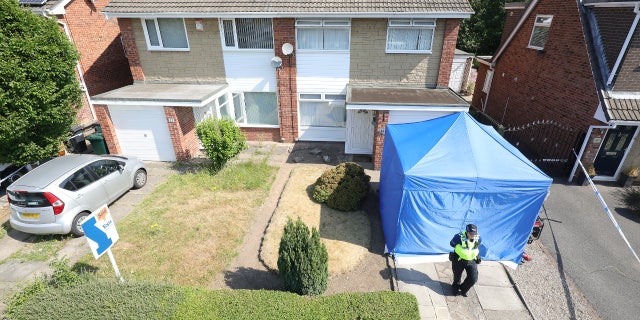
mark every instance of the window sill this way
{"type": "Point", "coordinates": [169, 49]}
{"type": "Point", "coordinates": [408, 51]}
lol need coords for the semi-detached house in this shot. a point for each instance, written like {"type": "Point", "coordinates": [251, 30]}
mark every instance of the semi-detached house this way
{"type": "Point", "coordinates": [283, 70]}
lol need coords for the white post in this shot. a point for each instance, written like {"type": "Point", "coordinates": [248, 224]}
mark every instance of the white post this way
{"type": "Point", "coordinates": [115, 266]}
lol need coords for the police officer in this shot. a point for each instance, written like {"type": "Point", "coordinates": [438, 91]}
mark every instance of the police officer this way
{"type": "Point", "coordinates": [465, 246]}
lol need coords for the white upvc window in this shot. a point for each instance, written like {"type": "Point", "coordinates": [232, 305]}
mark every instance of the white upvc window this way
{"type": "Point", "coordinates": [540, 32]}
{"type": "Point", "coordinates": [410, 35]}
{"type": "Point", "coordinates": [168, 34]}
{"type": "Point", "coordinates": [246, 33]}
{"type": "Point", "coordinates": [255, 108]}
{"type": "Point", "coordinates": [487, 81]}
{"type": "Point", "coordinates": [322, 110]}
{"type": "Point", "coordinates": [323, 34]}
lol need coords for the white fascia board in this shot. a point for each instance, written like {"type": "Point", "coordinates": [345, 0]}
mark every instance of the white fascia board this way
{"type": "Point", "coordinates": [119, 102]}
{"type": "Point", "coordinates": [612, 4]}
{"type": "Point", "coordinates": [456, 108]}
{"type": "Point", "coordinates": [439, 15]}
{"type": "Point", "coordinates": [59, 8]}
{"type": "Point", "coordinates": [623, 95]}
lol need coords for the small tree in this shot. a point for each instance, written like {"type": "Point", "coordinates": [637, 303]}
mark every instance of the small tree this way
{"type": "Point", "coordinates": [342, 187]}
{"type": "Point", "coordinates": [222, 140]}
{"type": "Point", "coordinates": [303, 261]}
{"type": "Point", "coordinates": [39, 91]}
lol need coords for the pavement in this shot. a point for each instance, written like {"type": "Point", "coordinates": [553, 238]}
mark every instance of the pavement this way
{"type": "Point", "coordinates": [495, 296]}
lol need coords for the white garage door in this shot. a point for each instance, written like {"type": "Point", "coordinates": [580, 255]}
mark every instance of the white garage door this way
{"type": "Point", "coordinates": [143, 132]}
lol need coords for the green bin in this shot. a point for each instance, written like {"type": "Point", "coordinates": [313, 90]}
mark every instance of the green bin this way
{"type": "Point", "coordinates": [98, 143]}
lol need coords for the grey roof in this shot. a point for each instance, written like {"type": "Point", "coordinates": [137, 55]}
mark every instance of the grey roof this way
{"type": "Point", "coordinates": [288, 6]}
{"type": "Point", "coordinates": [403, 96]}
{"type": "Point", "coordinates": [623, 109]}
{"type": "Point", "coordinates": [170, 94]}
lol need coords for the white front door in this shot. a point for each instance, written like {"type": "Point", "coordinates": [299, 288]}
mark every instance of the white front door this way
{"type": "Point", "coordinates": [360, 128]}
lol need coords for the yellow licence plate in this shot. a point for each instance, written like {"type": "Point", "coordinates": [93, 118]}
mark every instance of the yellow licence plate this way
{"type": "Point", "coordinates": [30, 215]}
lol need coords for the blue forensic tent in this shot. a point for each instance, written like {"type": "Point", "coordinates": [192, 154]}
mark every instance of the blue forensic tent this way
{"type": "Point", "coordinates": [441, 174]}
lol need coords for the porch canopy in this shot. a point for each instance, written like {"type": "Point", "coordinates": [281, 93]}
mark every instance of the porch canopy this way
{"type": "Point", "coordinates": [404, 98]}
{"type": "Point", "coordinates": [439, 175]}
{"type": "Point", "coordinates": [162, 94]}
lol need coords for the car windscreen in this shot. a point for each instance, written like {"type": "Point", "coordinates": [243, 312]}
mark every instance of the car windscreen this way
{"type": "Point", "coordinates": [28, 199]}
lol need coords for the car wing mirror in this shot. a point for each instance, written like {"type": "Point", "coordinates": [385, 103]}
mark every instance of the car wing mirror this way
{"type": "Point", "coordinates": [120, 168]}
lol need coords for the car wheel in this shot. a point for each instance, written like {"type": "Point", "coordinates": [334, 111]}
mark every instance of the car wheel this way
{"type": "Point", "coordinates": [15, 177]}
{"type": "Point", "coordinates": [76, 228]}
{"type": "Point", "coordinates": [139, 179]}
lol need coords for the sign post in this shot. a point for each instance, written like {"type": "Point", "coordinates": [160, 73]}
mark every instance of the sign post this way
{"type": "Point", "coordinates": [101, 234]}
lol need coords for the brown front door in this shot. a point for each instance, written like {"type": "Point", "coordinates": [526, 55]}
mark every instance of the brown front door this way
{"type": "Point", "coordinates": [612, 150]}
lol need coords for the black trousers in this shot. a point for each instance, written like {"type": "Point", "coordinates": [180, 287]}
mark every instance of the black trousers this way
{"type": "Point", "coordinates": [472, 274]}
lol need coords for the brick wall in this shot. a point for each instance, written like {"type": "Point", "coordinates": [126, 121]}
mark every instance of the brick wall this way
{"type": "Point", "coordinates": [370, 64]}
{"type": "Point", "coordinates": [382, 118]}
{"type": "Point", "coordinates": [284, 32]}
{"type": "Point", "coordinates": [108, 130]}
{"type": "Point", "coordinates": [514, 12]}
{"type": "Point", "coordinates": [452, 26]}
{"type": "Point", "coordinates": [262, 134]}
{"type": "Point", "coordinates": [554, 84]}
{"type": "Point", "coordinates": [131, 48]}
{"type": "Point", "coordinates": [479, 96]}
{"type": "Point", "coordinates": [593, 145]}
{"type": "Point", "coordinates": [182, 132]}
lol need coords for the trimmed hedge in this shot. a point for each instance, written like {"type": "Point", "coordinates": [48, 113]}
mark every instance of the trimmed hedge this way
{"type": "Point", "coordinates": [102, 299]}
{"type": "Point", "coordinates": [343, 187]}
{"type": "Point", "coordinates": [303, 261]}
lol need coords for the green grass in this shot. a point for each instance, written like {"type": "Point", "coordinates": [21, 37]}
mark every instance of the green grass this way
{"type": "Point", "coordinates": [189, 229]}
{"type": "Point", "coordinates": [102, 299]}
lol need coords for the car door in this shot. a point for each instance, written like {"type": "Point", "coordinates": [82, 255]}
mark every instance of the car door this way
{"type": "Point", "coordinates": [108, 174]}
{"type": "Point", "coordinates": [84, 190]}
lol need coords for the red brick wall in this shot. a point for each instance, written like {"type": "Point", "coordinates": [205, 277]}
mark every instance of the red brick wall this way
{"type": "Point", "coordinates": [513, 15]}
{"type": "Point", "coordinates": [382, 118]}
{"type": "Point", "coordinates": [554, 84]}
{"type": "Point", "coordinates": [479, 97]}
{"type": "Point", "coordinates": [262, 134]}
{"type": "Point", "coordinates": [131, 50]}
{"type": "Point", "coordinates": [108, 130]}
{"type": "Point", "coordinates": [182, 130]}
{"type": "Point", "coordinates": [591, 150]}
{"type": "Point", "coordinates": [284, 31]}
{"type": "Point", "coordinates": [448, 51]}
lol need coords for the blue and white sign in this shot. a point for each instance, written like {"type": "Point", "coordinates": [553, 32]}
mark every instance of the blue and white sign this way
{"type": "Point", "coordinates": [100, 231]}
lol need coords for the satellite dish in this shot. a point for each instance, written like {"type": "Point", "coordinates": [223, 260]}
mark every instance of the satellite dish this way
{"type": "Point", "coordinates": [287, 49]}
{"type": "Point", "coordinates": [276, 62]}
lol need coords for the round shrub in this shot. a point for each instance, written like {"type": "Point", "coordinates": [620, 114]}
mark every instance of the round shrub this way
{"type": "Point", "coordinates": [303, 261]}
{"type": "Point", "coordinates": [222, 139]}
{"type": "Point", "coordinates": [343, 187]}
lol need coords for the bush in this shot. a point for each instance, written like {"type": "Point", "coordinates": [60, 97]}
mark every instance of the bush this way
{"type": "Point", "coordinates": [222, 140]}
{"type": "Point", "coordinates": [343, 187]}
{"type": "Point", "coordinates": [303, 261]}
{"type": "Point", "coordinates": [631, 197]}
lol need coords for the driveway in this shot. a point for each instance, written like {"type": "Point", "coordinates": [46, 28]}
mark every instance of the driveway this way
{"type": "Point", "coordinates": [12, 271]}
{"type": "Point", "coordinates": [589, 249]}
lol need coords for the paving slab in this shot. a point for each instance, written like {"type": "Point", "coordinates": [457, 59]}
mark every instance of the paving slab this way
{"type": "Point", "coordinates": [498, 298]}
{"type": "Point", "coordinates": [15, 270]}
{"type": "Point", "coordinates": [493, 274]}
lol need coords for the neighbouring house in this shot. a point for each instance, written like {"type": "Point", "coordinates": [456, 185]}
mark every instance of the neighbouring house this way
{"type": "Point", "coordinates": [285, 71]}
{"type": "Point", "coordinates": [566, 78]}
{"type": "Point", "coordinates": [460, 72]}
{"type": "Point", "coordinates": [102, 66]}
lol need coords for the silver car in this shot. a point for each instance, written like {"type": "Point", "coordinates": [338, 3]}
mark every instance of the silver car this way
{"type": "Point", "coordinates": [55, 197]}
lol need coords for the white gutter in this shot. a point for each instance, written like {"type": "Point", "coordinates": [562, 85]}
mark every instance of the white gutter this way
{"type": "Point", "coordinates": [442, 15]}
{"type": "Point", "coordinates": [610, 4]}
{"type": "Point", "coordinates": [79, 68]}
{"type": "Point", "coordinates": [623, 51]}
{"type": "Point", "coordinates": [440, 108]}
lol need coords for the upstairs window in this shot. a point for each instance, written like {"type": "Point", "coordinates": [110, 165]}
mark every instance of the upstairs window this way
{"type": "Point", "coordinates": [165, 34]}
{"type": "Point", "coordinates": [540, 32]}
{"type": "Point", "coordinates": [410, 35]}
{"type": "Point", "coordinates": [323, 34]}
{"type": "Point", "coordinates": [247, 33]}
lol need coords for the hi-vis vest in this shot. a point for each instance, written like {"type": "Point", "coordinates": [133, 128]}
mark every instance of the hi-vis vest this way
{"type": "Point", "coordinates": [468, 250]}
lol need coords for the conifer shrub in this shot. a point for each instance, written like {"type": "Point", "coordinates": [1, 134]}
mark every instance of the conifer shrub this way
{"type": "Point", "coordinates": [342, 187]}
{"type": "Point", "coordinates": [303, 261]}
{"type": "Point", "coordinates": [222, 139]}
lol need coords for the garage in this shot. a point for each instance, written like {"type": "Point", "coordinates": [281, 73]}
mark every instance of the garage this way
{"type": "Point", "coordinates": [142, 131]}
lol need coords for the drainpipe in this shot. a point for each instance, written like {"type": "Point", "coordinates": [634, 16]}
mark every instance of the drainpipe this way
{"type": "Point", "coordinates": [636, 9]}
{"type": "Point", "coordinates": [79, 68]}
